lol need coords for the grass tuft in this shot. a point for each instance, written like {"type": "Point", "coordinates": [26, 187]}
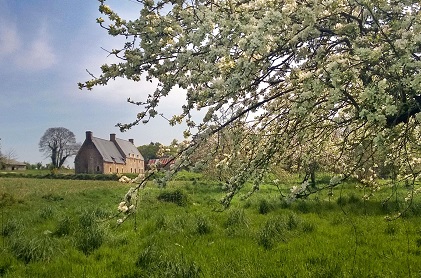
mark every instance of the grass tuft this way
{"type": "Point", "coordinates": [89, 236]}
{"type": "Point", "coordinates": [264, 206]}
{"type": "Point", "coordinates": [28, 250]}
{"type": "Point", "coordinates": [10, 227]}
{"type": "Point", "coordinates": [202, 225]}
{"type": "Point", "coordinates": [176, 196]}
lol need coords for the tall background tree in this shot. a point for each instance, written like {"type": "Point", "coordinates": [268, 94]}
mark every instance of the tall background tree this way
{"type": "Point", "coordinates": [149, 151]}
{"type": "Point", "coordinates": [58, 143]}
{"type": "Point", "coordinates": [303, 76]}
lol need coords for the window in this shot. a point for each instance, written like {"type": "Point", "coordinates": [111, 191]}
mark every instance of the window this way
{"type": "Point", "coordinates": [131, 170]}
{"type": "Point", "coordinates": [117, 170]}
{"type": "Point", "coordinates": [97, 168]}
{"type": "Point", "coordinates": [110, 170]}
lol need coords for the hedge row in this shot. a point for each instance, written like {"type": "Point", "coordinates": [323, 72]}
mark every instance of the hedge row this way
{"type": "Point", "coordinates": [102, 177]}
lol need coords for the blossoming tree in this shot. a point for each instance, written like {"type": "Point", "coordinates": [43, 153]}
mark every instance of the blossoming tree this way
{"type": "Point", "coordinates": [301, 75]}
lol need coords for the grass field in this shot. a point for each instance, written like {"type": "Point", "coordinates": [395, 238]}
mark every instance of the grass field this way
{"type": "Point", "coordinates": [67, 228]}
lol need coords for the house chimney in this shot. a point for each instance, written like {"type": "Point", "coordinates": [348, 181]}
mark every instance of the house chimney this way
{"type": "Point", "coordinates": [112, 137]}
{"type": "Point", "coordinates": [131, 141]}
{"type": "Point", "coordinates": [89, 135]}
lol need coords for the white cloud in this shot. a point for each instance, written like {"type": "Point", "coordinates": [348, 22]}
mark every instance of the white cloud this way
{"type": "Point", "coordinates": [9, 39]}
{"type": "Point", "coordinates": [26, 54]}
{"type": "Point", "coordinates": [38, 55]}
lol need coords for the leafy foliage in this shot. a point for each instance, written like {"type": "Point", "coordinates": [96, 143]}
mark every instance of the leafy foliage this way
{"type": "Point", "coordinates": [149, 151]}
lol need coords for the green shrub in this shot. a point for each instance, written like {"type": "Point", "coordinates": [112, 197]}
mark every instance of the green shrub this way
{"type": "Point", "coordinates": [174, 196]}
{"type": "Point", "coordinates": [59, 176]}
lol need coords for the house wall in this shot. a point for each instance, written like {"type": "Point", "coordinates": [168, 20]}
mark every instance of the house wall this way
{"type": "Point", "coordinates": [134, 165]}
{"type": "Point", "coordinates": [15, 167]}
{"type": "Point", "coordinates": [111, 168]}
{"type": "Point", "coordinates": [88, 160]}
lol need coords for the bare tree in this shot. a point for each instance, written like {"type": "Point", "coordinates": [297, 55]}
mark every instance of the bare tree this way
{"type": "Point", "coordinates": [58, 143]}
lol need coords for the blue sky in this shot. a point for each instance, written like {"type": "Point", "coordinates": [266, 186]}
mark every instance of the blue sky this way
{"type": "Point", "coordinates": [45, 48]}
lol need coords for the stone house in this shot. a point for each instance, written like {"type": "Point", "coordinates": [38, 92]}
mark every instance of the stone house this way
{"type": "Point", "coordinates": [13, 165]}
{"type": "Point", "coordinates": [114, 156]}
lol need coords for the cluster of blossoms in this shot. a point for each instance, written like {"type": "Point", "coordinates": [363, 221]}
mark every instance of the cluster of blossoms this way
{"type": "Point", "coordinates": [412, 193]}
{"type": "Point", "coordinates": [127, 207]}
{"type": "Point", "coordinates": [125, 179]}
{"type": "Point", "coordinates": [122, 207]}
{"type": "Point", "coordinates": [298, 190]}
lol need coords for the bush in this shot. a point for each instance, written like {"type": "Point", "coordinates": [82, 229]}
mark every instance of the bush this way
{"type": "Point", "coordinates": [176, 196]}
{"type": "Point", "coordinates": [58, 176]}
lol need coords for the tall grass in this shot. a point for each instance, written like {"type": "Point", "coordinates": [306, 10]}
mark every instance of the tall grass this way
{"type": "Point", "coordinates": [57, 228]}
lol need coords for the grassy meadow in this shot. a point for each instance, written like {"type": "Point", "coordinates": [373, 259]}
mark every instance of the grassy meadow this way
{"type": "Point", "coordinates": [67, 228]}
